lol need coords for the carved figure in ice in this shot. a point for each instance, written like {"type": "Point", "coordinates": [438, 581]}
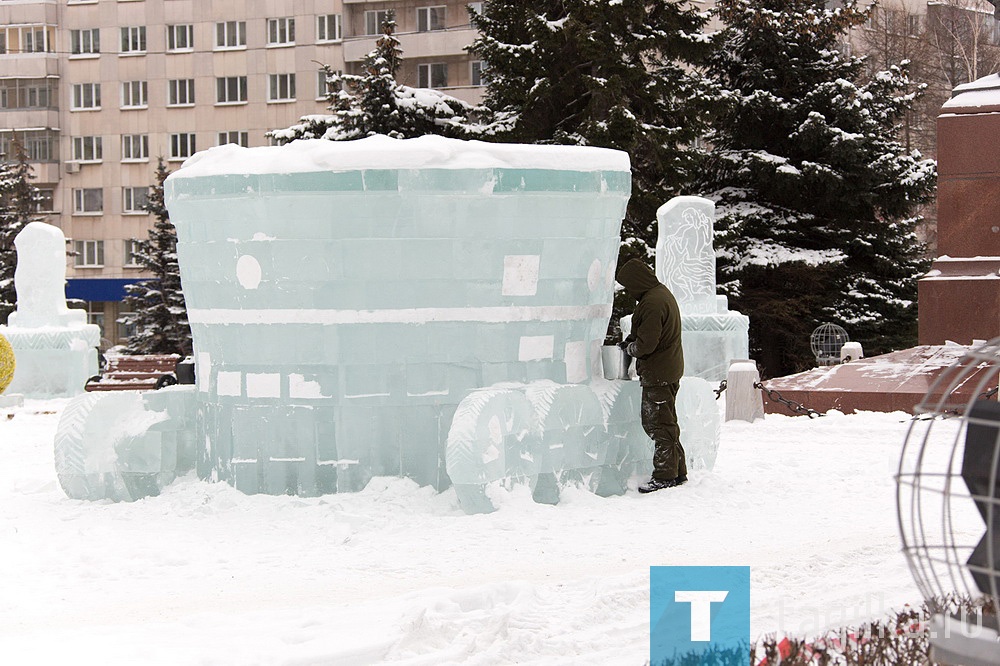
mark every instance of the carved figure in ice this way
{"type": "Point", "coordinates": [685, 258]}
{"type": "Point", "coordinates": [54, 346]}
{"type": "Point", "coordinates": [712, 335]}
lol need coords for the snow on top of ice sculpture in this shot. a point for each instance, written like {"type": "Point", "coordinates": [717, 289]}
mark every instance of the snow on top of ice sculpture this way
{"type": "Point", "coordinates": [382, 152]}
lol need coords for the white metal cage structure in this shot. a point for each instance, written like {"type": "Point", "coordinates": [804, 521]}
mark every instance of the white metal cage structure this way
{"type": "Point", "coordinates": [948, 501]}
{"type": "Point", "coordinates": [826, 341]}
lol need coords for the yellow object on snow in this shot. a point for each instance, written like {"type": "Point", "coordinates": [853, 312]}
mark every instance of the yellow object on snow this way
{"type": "Point", "coordinates": [6, 364]}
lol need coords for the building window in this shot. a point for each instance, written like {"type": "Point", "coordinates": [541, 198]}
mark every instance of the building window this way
{"type": "Point", "coordinates": [180, 37]}
{"type": "Point", "coordinates": [27, 94]}
{"type": "Point", "coordinates": [182, 146]}
{"type": "Point", "coordinates": [27, 39]}
{"type": "Point", "coordinates": [85, 41]}
{"type": "Point", "coordinates": [95, 314]}
{"type": "Point", "coordinates": [328, 28]}
{"type": "Point", "coordinates": [239, 138]}
{"type": "Point", "coordinates": [433, 75]}
{"type": "Point", "coordinates": [39, 145]}
{"type": "Point", "coordinates": [88, 148]}
{"type": "Point", "coordinates": [134, 200]}
{"type": "Point", "coordinates": [281, 88]}
{"type": "Point", "coordinates": [180, 92]}
{"type": "Point", "coordinates": [231, 90]}
{"type": "Point", "coordinates": [280, 31]}
{"type": "Point", "coordinates": [324, 88]}
{"type": "Point", "coordinates": [231, 35]}
{"type": "Point", "coordinates": [135, 148]}
{"type": "Point", "coordinates": [86, 96]}
{"type": "Point", "coordinates": [374, 21]}
{"type": "Point", "coordinates": [88, 201]}
{"type": "Point", "coordinates": [430, 18]}
{"type": "Point", "coordinates": [132, 251]}
{"type": "Point", "coordinates": [45, 202]}
{"type": "Point", "coordinates": [133, 40]}
{"type": "Point", "coordinates": [476, 8]}
{"type": "Point", "coordinates": [89, 253]}
{"type": "Point", "coordinates": [477, 73]}
{"type": "Point", "coordinates": [135, 94]}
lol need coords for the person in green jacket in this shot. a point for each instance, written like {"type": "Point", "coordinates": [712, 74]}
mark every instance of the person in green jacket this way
{"type": "Point", "coordinates": [655, 343]}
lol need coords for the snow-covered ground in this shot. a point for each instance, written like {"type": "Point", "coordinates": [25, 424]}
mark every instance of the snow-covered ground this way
{"type": "Point", "coordinates": [397, 573]}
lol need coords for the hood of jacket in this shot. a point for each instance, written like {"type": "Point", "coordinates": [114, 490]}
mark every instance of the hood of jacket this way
{"type": "Point", "coordinates": [637, 277]}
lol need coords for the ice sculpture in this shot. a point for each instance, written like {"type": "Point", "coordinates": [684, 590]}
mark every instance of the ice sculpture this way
{"type": "Point", "coordinates": [428, 308]}
{"type": "Point", "coordinates": [54, 346]}
{"type": "Point", "coordinates": [712, 334]}
{"type": "Point", "coordinates": [124, 445]}
{"type": "Point", "coordinates": [345, 297]}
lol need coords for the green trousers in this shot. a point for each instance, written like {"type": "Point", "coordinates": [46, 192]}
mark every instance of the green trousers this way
{"type": "Point", "coordinates": [659, 420]}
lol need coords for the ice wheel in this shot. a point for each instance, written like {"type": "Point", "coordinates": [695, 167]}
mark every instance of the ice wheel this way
{"type": "Point", "coordinates": [104, 448]}
{"type": "Point", "coordinates": [629, 448]}
{"type": "Point", "coordinates": [487, 442]}
{"type": "Point", "coordinates": [570, 430]}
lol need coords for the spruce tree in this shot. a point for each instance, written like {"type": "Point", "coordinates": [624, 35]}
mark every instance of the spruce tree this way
{"type": "Point", "coordinates": [159, 312]}
{"type": "Point", "coordinates": [18, 203]}
{"type": "Point", "coordinates": [816, 199]}
{"type": "Point", "coordinates": [608, 74]}
{"type": "Point", "coordinates": [376, 103]}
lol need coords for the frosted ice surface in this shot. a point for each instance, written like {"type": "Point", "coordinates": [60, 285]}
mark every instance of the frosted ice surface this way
{"type": "Point", "coordinates": [54, 346]}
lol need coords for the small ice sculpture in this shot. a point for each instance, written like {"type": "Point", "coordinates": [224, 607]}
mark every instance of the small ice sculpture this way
{"type": "Point", "coordinates": [712, 334]}
{"type": "Point", "coordinates": [55, 347]}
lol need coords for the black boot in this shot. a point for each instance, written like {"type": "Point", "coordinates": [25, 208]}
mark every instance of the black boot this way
{"type": "Point", "coordinates": [659, 484]}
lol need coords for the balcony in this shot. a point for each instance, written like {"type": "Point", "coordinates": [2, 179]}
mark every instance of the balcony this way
{"type": "Point", "coordinates": [434, 44]}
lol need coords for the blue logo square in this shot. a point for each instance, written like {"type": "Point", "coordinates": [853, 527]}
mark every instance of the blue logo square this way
{"type": "Point", "coordinates": [699, 615]}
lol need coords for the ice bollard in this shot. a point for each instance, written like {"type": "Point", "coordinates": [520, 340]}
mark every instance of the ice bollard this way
{"type": "Point", "coordinates": [851, 351]}
{"type": "Point", "coordinates": [744, 401]}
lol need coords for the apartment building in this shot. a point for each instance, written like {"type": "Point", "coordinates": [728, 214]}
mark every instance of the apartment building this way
{"type": "Point", "coordinates": [433, 39]}
{"type": "Point", "coordinates": [97, 90]}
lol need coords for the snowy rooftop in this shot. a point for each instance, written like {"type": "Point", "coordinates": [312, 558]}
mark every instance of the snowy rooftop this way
{"type": "Point", "coordinates": [382, 152]}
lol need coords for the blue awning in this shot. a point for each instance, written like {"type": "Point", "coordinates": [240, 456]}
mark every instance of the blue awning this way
{"type": "Point", "coordinates": [98, 289]}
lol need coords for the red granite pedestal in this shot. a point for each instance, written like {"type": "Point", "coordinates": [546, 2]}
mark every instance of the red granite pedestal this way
{"type": "Point", "coordinates": [959, 299]}
{"type": "Point", "coordinates": [888, 383]}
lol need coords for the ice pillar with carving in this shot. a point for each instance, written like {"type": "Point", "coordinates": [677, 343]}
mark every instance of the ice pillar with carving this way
{"type": "Point", "coordinates": [712, 334]}
{"type": "Point", "coordinates": [54, 346]}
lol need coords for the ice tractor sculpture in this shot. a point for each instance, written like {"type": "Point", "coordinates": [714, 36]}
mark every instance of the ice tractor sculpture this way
{"type": "Point", "coordinates": [428, 308]}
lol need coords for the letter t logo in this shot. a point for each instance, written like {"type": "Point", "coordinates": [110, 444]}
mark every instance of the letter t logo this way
{"type": "Point", "coordinates": [701, 610]}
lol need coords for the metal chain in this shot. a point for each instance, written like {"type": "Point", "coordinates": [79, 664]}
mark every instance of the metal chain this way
{"type": "Point", "coordinates": [796, 407]}
{"type": "Point", "coordinates": [949, 413]}
{"type": "Point", "coordinates": [722, 387]}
